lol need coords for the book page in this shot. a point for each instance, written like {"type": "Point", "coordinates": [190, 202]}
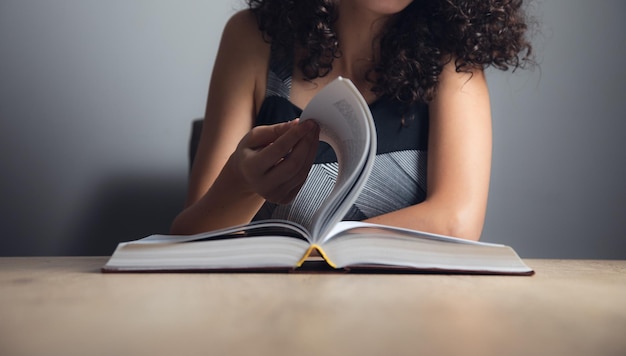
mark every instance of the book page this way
{"type": "Point", "coordinates": [261, 244]}
{"type": "Point", "coordinates": [259, 252]}
{"type": "Point", "coordinates": [256, 228]}
{"type": "Point", "coordinates": [346, 124]}
{"type": "Point", "coordinates": [366, 245]}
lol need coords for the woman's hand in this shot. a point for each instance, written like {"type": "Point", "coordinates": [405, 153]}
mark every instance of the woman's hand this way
{"type": "Point", "coordinates": [274, 161]}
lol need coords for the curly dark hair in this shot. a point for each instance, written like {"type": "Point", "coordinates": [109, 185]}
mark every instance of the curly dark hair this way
{"type": "Point", "coordinates": [415, 44]}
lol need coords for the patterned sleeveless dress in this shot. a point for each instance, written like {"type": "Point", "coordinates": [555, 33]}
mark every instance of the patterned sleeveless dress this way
{"type": "Point", "coordinates": [398, 178]}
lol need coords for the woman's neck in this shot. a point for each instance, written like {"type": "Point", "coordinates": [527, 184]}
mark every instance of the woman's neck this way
{"type": "Point", "coordinates": [357, 30]}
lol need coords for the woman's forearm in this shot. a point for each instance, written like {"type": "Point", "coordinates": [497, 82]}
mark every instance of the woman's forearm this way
{"type": "Point", "coordinates": [225, 204]}
{"type": "Point", "coordinates": [466, 223]}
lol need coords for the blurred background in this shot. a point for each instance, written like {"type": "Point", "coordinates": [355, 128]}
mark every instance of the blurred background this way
{"type": "Point", "coordinates": [97, 100]}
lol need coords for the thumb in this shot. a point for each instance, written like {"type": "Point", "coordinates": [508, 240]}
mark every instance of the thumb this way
{"type": "Point", "coordinates": [262, 136]}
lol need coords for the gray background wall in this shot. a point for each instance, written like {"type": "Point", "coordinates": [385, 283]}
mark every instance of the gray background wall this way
{"type": "Point", "coordinates": [97, 98]}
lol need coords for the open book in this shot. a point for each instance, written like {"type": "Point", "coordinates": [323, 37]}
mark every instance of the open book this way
{"type": "Point", "coordinates": [346, 124]}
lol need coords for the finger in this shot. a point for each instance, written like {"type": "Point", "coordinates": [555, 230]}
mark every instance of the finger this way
{"type": "Point", "coordinates": [301, 156]}
{"type": "Point", "coordinates": [292, 171]}
{"type": "Point", "coordinates": [255, 164]}
{"type": "Point", "coordinates": [287, 191]}
{"type": "Point", "coordinates": [282, 181]}
{"type": "Point", "coordinates": [261, 136]}
{"type": "Point", "coordinates": [285, 144]}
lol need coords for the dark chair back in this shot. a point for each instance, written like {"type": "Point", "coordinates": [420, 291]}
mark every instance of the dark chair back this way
{"type": "Point", "coordinates": [194, 140]}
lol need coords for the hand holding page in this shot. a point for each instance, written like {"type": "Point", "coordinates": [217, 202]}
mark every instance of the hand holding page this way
{"type": "Point", "coordinates": [346, 124]}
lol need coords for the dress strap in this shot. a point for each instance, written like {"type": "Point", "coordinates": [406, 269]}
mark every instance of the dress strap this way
{"type": "Point", "coordinates": [279, 74]}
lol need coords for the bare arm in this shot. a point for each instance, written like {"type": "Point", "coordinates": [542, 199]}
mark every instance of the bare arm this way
{"type": "Point", "coordinates": [236, 167]}
{"type": "Point", "coordinates": [459, 160]}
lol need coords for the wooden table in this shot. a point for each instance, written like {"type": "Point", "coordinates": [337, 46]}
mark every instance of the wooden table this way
{"type": "Point", "coordinates": [65, 306]}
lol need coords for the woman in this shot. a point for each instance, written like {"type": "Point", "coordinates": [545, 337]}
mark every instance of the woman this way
{"type": "Point", "coordinates": [419, 64]}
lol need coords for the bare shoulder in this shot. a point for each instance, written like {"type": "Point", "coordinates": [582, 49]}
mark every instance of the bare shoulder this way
{"type": "Point", "coordinates": [244, 26]}
{"type": "Point", "coordinates": [462, 97]}
{"type": "Point", "coordinates": [451, 81]}
{"type": "Point", "coordinates": [243, 54]}
{"type": "Point", "coordinates": [242, 33]}
{"type": "Point", "coordinates": [239, 72]}
{"type": "Point", "coordinates": [238, 75]}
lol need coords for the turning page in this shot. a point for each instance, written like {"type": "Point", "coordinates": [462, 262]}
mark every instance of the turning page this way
{"type": "Point", "coordinates": [346, 124]}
